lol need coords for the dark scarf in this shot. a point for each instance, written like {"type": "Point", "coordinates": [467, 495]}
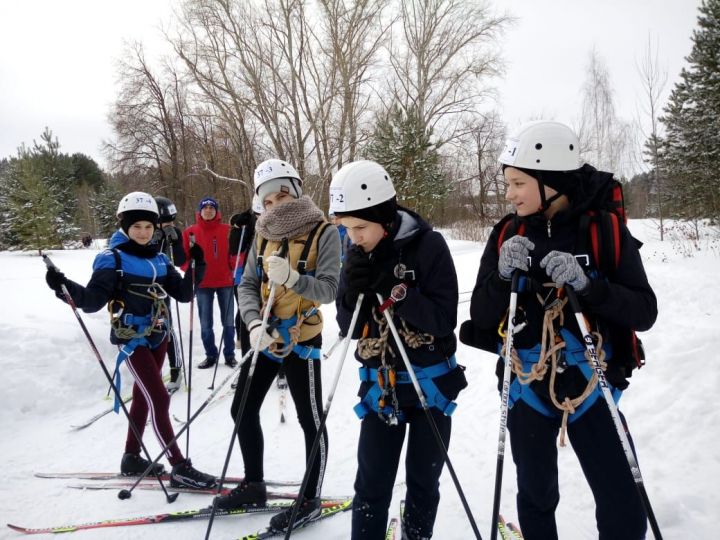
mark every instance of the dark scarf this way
{"type": "Point", "coordinates": [131, 247]}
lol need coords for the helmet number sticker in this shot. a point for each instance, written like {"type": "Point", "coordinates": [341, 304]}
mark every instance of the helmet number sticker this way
{"type": "Point", "coordinates": [510, 152]}
{"type": "Point", "coordinates": [337, 199]}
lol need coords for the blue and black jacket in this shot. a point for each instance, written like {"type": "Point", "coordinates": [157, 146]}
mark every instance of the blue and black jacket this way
{"type": "Point", "coordinates": [140, 267]}
{"type": "Point", "coordinates": [429, 307]}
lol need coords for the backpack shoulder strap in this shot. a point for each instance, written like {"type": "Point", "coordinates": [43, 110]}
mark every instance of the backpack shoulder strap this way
{"type": "Point", "coordinates": [118, 270]}
{"type": "Point", "coordinates": [599, 234]}
{"type": "Point", "coordinates": [509, 228]}
{"type": "Point", "coordinates": [302, 261]}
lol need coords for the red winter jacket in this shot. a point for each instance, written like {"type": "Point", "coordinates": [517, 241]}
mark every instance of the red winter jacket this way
{"type": "Point", "coordinates": [212, 237]}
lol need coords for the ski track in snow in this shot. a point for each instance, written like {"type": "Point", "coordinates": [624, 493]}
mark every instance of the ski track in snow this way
{"type": "Point", "coordinates": [52, 380]}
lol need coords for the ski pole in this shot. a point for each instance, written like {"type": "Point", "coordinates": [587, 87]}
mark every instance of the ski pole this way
{"type": "Point", "coordinates": [246, 389]}
{"type": "Point", "coordinates": [222, 336]}
{"type": "Point", "coordinates": [133, 427]}
{"type": "Point", "coordinates": [431, 420]}
{"type": "Point", "coordinates": [327, 354]}
{"type": "Point", "coordinates": [127, 493]}
{"type": "Point", "coordinates": [179, 327]}
{"type": "Point", "coordinates": [182, 347]}
{"type": "Point", "coordinates": [619, 427]}
{"type": "Point", "coordinates": [190, 349]}
{"type": "Point", "coordinates": [507, 372]}
{"type": "Point", "coordinates": [326, 412]}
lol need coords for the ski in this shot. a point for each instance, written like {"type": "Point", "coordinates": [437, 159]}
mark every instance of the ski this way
{"type": "Point", "coordinates": [394, 530]}
{"type": "Point", "coordinates": [90, 421]}
{"type": "Point", "coordinates": [200, 513]}
{"type": "Point", "coordinates": [508, 530]}
{"type": "Point", "coordinates": [165, 477]}
{"type": "Point", "coordinates": [156, 487]}
{"type": "Point", "coordinates": [327, 511]}
{"type": "Point", "coordinates": [516, 531]}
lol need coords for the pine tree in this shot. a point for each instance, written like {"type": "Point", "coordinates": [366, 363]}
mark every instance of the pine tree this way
{"type": "Point", "coordinates": [691, 147]}
{"type": "Point", "coordinates": [32, 207]}
{"type": "Point", "coordinates": [103, 205]}
{"type": "Point", "coordinates": [404, 148]}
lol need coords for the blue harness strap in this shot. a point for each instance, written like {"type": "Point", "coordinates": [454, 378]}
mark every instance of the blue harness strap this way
{"type": "Point", "coordinates": [574, 355]}
{"type": "Point", "coordinates": [283, 326]}
{"type": "Point", "coordinates": [127, 349]}
{"type": "Point", "coordinates": [425, 375]}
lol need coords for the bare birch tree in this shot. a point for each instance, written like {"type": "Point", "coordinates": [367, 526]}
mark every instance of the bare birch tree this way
{"type": "Point", "coordinates": [441, 54]}
{"type": "Point", "coordinates": [653, 80]}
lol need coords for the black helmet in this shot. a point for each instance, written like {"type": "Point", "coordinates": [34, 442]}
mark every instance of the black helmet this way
{"type": "Point", "coordinates": [167, 209]}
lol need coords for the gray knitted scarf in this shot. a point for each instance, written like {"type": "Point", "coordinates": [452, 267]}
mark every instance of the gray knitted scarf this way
{"type": "Point", "coordinates": [289, 220]}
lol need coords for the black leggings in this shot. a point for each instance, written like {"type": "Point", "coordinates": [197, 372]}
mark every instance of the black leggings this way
{"type": "Point", "coordinates": [303, 377]}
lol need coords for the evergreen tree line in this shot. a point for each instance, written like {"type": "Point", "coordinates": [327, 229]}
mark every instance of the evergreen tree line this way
{"type": "Point", "coordinates": [48, 198]}
{"type": "Point", "coordinates": [682, 182]}
{"type": "Point", "coordinates": [403, 83]}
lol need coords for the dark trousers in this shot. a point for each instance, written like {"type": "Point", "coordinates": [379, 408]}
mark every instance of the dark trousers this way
{"type": "Point", "coordinates": [379, 451]}
{"type": "Point", "coordinates": [303, 377]}
{"type": "Point", "coordinates": [533, 439]}
{"type": "Point", "coordinates": [150, 396]}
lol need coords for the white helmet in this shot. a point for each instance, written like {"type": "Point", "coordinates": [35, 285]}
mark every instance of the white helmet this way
{"type": "Point", "coordinates": [358, 185]}
{"type": "Point", "coordinates": [270, 169]}
{"type": "Point", "coordinates": [543, 146]}
{"type": "Point", "coordinates": [257, 205]}
{"type": "Point", "coordinates": [138, 200]}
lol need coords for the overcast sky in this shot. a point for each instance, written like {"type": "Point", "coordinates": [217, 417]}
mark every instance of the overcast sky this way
{"type": "Point", "coordinates": [57, 59]}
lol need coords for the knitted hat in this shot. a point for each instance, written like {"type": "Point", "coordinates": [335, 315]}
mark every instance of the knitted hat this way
{"type": "Point", "coordinates": [279, 185]}
{"type": "Point", "coordinates": [564, 182]}
{"type": "Point", "coordinates": [208, 201]}
{"type": "Point", "coordinates": [382, 213]}
{"type": "Point", "coordinates": [129, 217]}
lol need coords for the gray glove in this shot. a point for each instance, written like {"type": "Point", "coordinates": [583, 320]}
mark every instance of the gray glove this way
{"type": "Point", "coordinates": [563, 268]}
{"type": "Point", "coordinates": [514, 254]}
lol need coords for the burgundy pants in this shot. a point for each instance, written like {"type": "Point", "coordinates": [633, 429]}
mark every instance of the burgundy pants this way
{"type": "Point", "coordinates": [150, 395]}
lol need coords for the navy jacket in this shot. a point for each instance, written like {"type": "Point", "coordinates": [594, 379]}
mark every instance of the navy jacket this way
{"type": "Point", "coordinates": [429, 307]}
{"type": "Point", "coordinates": [140, 267]}
{"type": "Point", "coordinates": [615, 303]}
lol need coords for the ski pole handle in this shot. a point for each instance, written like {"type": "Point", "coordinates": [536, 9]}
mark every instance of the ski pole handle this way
{"type": "Point", "coordinates": [48, 262]}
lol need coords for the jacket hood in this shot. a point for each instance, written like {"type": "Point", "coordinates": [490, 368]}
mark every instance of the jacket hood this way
{"type": "Point", "coordinates": [408, 225]}
{"type": "Point", "coordinates": [592, 192]}
{"type": "Point", "coordinates": [119, 237]}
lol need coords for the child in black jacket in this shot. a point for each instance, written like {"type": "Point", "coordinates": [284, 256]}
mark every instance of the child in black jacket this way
{"type": "Point", "coordinates": [397, 254]}
{"type": "Point", "coordinates": [554, 387]}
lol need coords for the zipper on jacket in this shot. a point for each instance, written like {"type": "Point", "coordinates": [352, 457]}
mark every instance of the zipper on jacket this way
{"type": "Point", "coordinates": [549, 228]}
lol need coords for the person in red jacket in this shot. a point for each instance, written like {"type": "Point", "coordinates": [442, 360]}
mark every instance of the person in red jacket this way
{"type": "Point", "coordinates": [212, 236]}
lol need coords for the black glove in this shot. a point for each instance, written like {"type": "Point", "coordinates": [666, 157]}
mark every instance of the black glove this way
{"type": "Point", "coordinates": [170, 233]}
{"type": "Point", "coordinates": [196, 254]}
{"type": "Point", "coordinates": [243, 218]}
{"type": "Point", "coordinates": [365, 277]}
{"type": "Point", "coordinates": [55, 280]}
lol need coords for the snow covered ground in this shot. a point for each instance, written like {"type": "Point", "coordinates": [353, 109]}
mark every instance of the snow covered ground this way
{"type": "Point", "coordinates": [50, 380]}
